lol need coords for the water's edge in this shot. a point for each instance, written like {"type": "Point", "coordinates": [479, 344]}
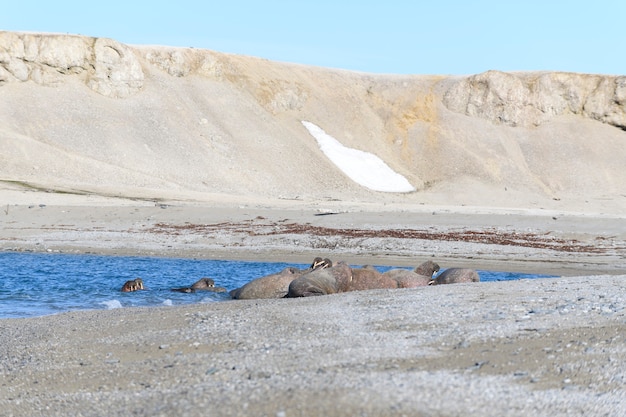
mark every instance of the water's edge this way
{"type": "Point", "coordinates": [38, 284]}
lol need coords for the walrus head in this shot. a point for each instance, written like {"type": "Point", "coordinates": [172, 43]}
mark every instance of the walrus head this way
{"type": "Point", "coordinates": [316, 262]}
{"type": "Point", "coordinates": [321, 281]}
{"type": "Point", "coordinates": [206, 284]}
{"type": "Point", "coordinates": [134, 285]}
{"type": "Point", "coordinates": [320, 263]}
{"type": "Point", "coordinates": [203, 283]}
{"type": "Point", "coordinates": [428, 269]}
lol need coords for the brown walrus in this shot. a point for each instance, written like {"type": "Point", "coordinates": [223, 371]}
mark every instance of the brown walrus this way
{"type": "Point", "coordinates": [269, 286]}
{"type": "Point", "coordinates": [276, 285]}
{"type": "Point", "coordinates": [369, 278]}
{"type": "Point", "coordinates": [421, 276]}
{"type": "Point", "coordinates": [321, 281]}
{"type": "Point", "coordinates": [403, 278]}
{"type": "Point", "coordinates": [134, 285]}
{"type": "Point", "coordinates": [203, 284]}
{"type": "Point", "coordinates": [332, 281]}
{"type": "Point", "coordinates": [456, 275]}
{"type": "Point", "coordinates": [428, 268]}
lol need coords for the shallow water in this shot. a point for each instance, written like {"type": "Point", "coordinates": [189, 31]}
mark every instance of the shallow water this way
{"type": "Point", "coordinates": [37, 284]}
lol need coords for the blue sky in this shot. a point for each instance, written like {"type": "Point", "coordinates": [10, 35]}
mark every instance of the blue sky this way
{"type": "Point", "coordinates": [402, 37]}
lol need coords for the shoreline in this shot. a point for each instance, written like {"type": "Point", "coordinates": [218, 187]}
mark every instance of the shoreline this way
{"type": "Point", "coordinates": [550, 242]}
{"type": "Point", "coordinates": [546, 347]}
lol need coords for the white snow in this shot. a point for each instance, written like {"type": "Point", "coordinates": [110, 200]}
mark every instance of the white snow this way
{"type": "Point", "coordinates": [361, 167]}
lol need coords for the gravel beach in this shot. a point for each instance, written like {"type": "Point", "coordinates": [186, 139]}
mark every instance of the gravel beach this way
{"type": "Point", "coordinates": [551, 347]}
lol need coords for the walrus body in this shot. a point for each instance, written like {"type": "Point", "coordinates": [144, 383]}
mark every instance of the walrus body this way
{"type": "Point", "coordinates": [134, 285]}
{"type": "Point", "coordinates": [269, 286]}
{"type": "Point", "coordinates": [368, 278]}
{"type": "Point", "coordinates": [203, 284]}
{"type": "Point", "coordinates": [457, 275]}
{"type": "Point", "coordinates": [421, 276]}
{"type": "Point", "coordinates": [276, 285]}
{"type": "Point", "coordinates": [321, 281]}
{"type": "Point", "coordinates": [403, 278]}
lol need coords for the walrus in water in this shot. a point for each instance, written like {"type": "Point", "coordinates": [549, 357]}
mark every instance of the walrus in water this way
{"type": "Point", "coordinates": [456, 275]}
{"type": "Point", "coordinates": [421, 276]}
{"type": "Point", "coordinates": [276, 285]}
{"type": "Point", "coordinates": [134, 285]}
{"type": "Point", "coordinates": [321, 281]}
{"type": "Point", "coordinates": [203, 284]}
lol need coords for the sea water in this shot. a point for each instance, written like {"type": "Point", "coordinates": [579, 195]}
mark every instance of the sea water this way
{"type": "Point", "coordinates": [37, 284]}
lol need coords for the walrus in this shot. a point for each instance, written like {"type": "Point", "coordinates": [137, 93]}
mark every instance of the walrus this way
{"type": "Point", "coordinates": [403, 278]}
{"type": "Point", "coordinates": [456, 275]}
{"type": "Point", "coordinates": [421, 276]}
{"type": "Point", "coordinates": [321, 281]}
{"type": "Point", "coordinates": [203, 284]}
{"type": "Point", "coordinates": [134, 285]}
{"type": "Point", "coordinates": [428, 268]}
{"type": "Point", "coordinates": [276, 285]}
{"type": "Point", "coordinates": [369, 278]}
{"type": "Point", "coordinates": [319, 263]}
{"type": "Point", "coordinates": [269, 286]}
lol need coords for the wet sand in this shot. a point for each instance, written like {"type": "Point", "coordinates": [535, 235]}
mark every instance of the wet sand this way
{"type": "Point", "coordinates": [534, 241]}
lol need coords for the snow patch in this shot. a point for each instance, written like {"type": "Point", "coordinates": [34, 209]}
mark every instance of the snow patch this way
{"type": "Point", "coordinates": [361, 167]}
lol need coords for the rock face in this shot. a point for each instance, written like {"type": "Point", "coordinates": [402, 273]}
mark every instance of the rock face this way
{"type": "Point", "coordinates": [107, 66]}
{"type": "Point", "coordinates": [533, 99]}
{"type": "Point", "coordinates": [83, 114]}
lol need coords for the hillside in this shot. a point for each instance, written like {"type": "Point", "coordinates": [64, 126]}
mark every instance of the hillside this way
{"type": "Point", "coordinates": [92, 115]}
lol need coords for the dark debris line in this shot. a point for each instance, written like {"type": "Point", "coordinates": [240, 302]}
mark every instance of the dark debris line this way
{"type": "Point", "coordinates": [487, 236]}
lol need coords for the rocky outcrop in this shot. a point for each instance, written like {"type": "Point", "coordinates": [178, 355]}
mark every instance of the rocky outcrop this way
{"type": "Point", "coordinates": [114, 70]}
{"type": "Point", "coordinates": [176, 62]}
{"type": "Point", "coordinates": [106, 66]}
{"type": "Point", "coordinates": [532, 99]}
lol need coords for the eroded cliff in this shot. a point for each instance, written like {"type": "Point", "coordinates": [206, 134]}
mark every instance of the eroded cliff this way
{"type": "Point", "coordinates": [533, 99]}
{"type": "Point", "coordinates": [95, 115]}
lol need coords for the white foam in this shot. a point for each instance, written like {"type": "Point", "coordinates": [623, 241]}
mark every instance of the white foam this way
{"type": "Point", "coordinates": [111, 304]}
{"type": "Point", "coordinates": [167, 302]}
{"type": "Point", "coordinates": [361, 167]}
